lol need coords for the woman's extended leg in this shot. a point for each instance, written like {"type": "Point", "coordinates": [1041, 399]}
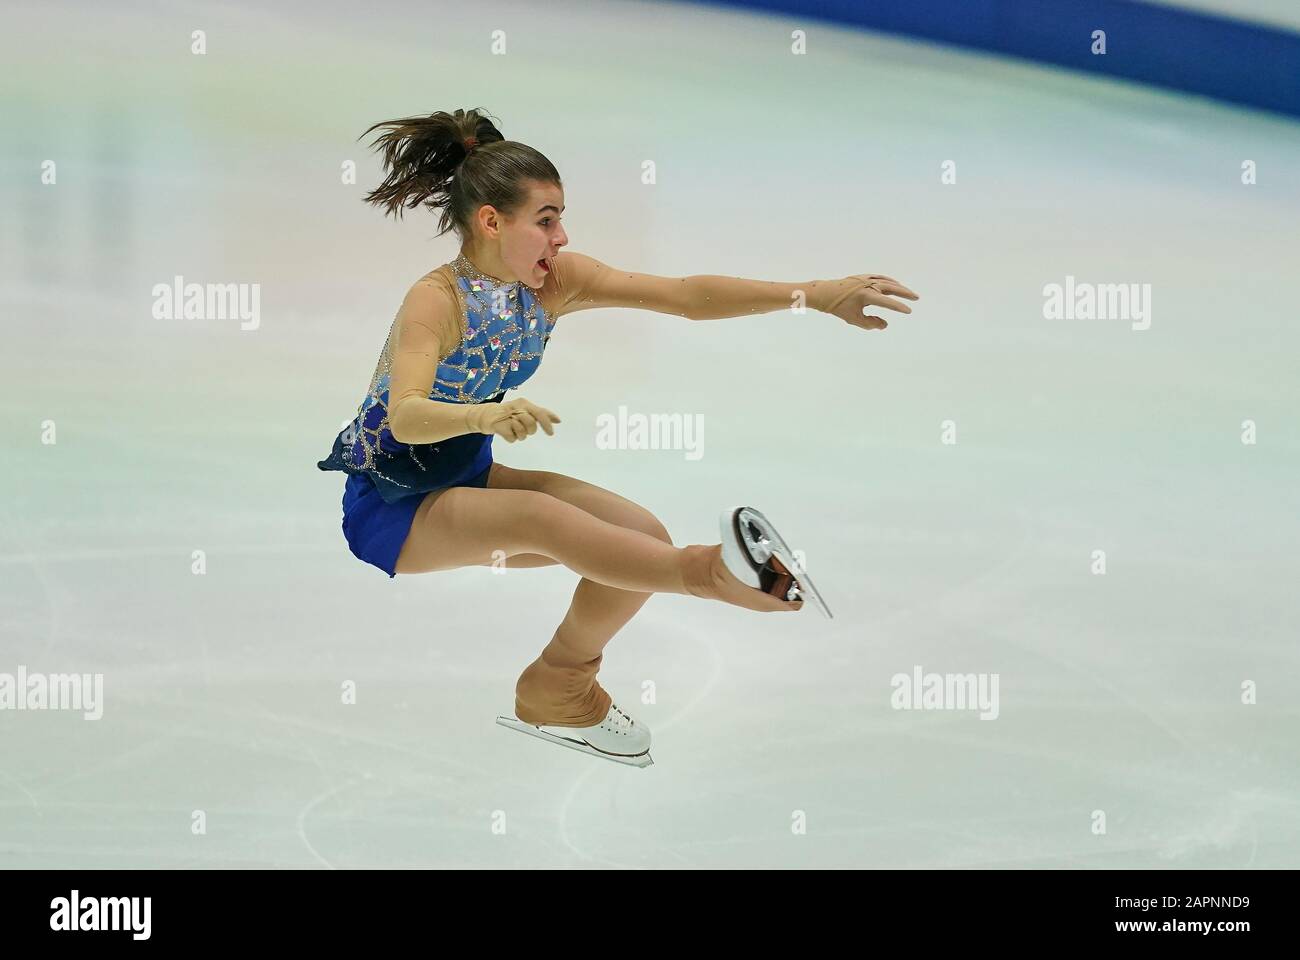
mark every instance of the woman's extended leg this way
{"type": "Point", "coordinates": [472, 526]}
{"type": "Point", "coordinates": [621, 550]}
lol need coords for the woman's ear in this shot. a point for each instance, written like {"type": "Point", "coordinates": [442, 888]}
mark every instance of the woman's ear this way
{"type": "Point", "coordinates": [489, 221]}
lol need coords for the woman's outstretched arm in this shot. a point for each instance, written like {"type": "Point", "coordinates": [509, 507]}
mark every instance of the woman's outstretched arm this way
{"type": "Point", "coordinates": [584, 283]}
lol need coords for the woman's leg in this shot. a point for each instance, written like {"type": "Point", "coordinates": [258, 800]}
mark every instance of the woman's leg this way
{"type": "Point", "coordinates": [622, 552]}
{"type": "Point", "coordinates": [560, 686]}
{"type": "Point", "coordinates": [472, 526]}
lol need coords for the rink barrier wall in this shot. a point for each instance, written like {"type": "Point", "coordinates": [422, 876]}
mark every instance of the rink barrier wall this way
{"type": "Point", "coordinates": [1246, 63]}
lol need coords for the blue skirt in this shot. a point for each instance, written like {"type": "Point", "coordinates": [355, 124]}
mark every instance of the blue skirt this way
{"type": "Point", "coordinates": [375, 529]}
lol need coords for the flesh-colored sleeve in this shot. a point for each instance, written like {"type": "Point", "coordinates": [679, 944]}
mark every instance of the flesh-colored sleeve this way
{"type": "Point", "coordinates": [427, 331]}
{"type": "Point", "coordinates": [584, 283]}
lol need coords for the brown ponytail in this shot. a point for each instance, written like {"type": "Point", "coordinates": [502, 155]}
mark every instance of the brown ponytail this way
{"type": "Point", "coordinates": [427, 162]}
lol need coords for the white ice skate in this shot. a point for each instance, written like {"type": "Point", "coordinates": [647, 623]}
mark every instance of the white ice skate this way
{"type": "Point", "coordinates": [618, 737]}
{"type": "Point", "coordinates": [759, 556]}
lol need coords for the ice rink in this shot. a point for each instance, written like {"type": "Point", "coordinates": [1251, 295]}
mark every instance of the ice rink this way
{"type": "Point", "coordinates": [777, 740]}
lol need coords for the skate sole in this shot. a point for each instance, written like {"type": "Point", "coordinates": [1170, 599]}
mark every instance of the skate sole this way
{"type": "Point", "coordinates": [786, 565]}
{"type": "Point", "coordinates": [639, 760]}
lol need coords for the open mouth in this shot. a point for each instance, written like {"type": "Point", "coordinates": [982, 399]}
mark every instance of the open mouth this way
{"type": "Point", "coordinates": [545, 267]}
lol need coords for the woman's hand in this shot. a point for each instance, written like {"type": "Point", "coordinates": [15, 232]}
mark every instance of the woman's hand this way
{"type": "Point", "coordinates": [852, 296]}
{"type": "Point", "coordinates": [512, 419]}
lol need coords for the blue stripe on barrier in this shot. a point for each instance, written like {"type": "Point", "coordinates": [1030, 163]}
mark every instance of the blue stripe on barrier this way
{"type": "Point", "coordinates": [1231, 60]}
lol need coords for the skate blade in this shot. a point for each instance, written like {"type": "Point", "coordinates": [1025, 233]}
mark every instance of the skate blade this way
{"type": "Point", "coordinates": [781, 550]}
{"type": "Point", "coordinates": [642, 760]}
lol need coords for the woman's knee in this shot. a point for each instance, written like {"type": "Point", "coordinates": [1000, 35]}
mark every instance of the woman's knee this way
{"type": "Point", "coordinates": [647, 522]}
{"type": "Point", "coordinates": [631, 516]}
{"type": "Point", "coordinates": [597, 501]}
{"type": "Point", "coordinates": [547, 512]}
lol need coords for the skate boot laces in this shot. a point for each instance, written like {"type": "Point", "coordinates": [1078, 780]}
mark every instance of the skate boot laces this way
{"type": "Point", "coordinates": [616, 721]}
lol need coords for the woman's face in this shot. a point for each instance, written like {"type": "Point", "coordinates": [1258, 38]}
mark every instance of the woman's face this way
{"type": "Point", "coordinates": [533, 236]}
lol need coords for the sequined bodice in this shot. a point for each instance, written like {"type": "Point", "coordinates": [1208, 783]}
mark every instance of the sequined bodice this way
{"type": "Point", "coordinates": [506, 331]}
{"type": "Point", "coordinates": [504, 335]}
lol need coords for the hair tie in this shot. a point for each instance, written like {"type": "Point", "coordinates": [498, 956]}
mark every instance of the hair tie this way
{"type": "Point", "coordinates": [470, 143]}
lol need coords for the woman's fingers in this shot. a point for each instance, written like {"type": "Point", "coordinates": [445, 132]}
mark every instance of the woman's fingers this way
{"type": "Point", "coordinates": [880, 300]}
{"type": "Point", "coordinates": [526, 420]}
{"type": "Point", "coordinates": [545, 418]}
{"type": "Point", "coordinates": [898, 290]}
{"type": "Point", "coordinates": [884, 283]}
{"type": "Point", "coordinates": [522, 419]}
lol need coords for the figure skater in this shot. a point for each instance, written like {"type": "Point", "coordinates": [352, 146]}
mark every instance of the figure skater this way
{"type": "Point", "coordinates": [424, 493]}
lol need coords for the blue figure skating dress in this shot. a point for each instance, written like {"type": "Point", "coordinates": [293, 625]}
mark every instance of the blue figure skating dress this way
{"type": "Point", "coordinates": [505, 331]}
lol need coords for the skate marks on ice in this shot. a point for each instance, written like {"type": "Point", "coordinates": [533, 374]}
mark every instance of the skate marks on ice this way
{"type": "Point", "coordinates": [705, 639]}
{"type": "Point", "coordinates": [122, 553]}
{"type": "Point", "coordinates": [349, 800]}
{"type": "Point", "coordinates": [31, 798]}
{"type": "Point", "coordinates": [1031, 533]}
{"type": "Point", "coordinates": [365, 780]}
{"type": "Point", "coordinates": [305, 812]}
{"type": "Point", "coordinates": [1224, 826]}
{"type": "Point", "coordinates": [36, 563]}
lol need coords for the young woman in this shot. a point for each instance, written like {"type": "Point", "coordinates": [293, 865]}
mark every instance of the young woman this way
{"type": "Point", "coordinates": [424, 493]}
